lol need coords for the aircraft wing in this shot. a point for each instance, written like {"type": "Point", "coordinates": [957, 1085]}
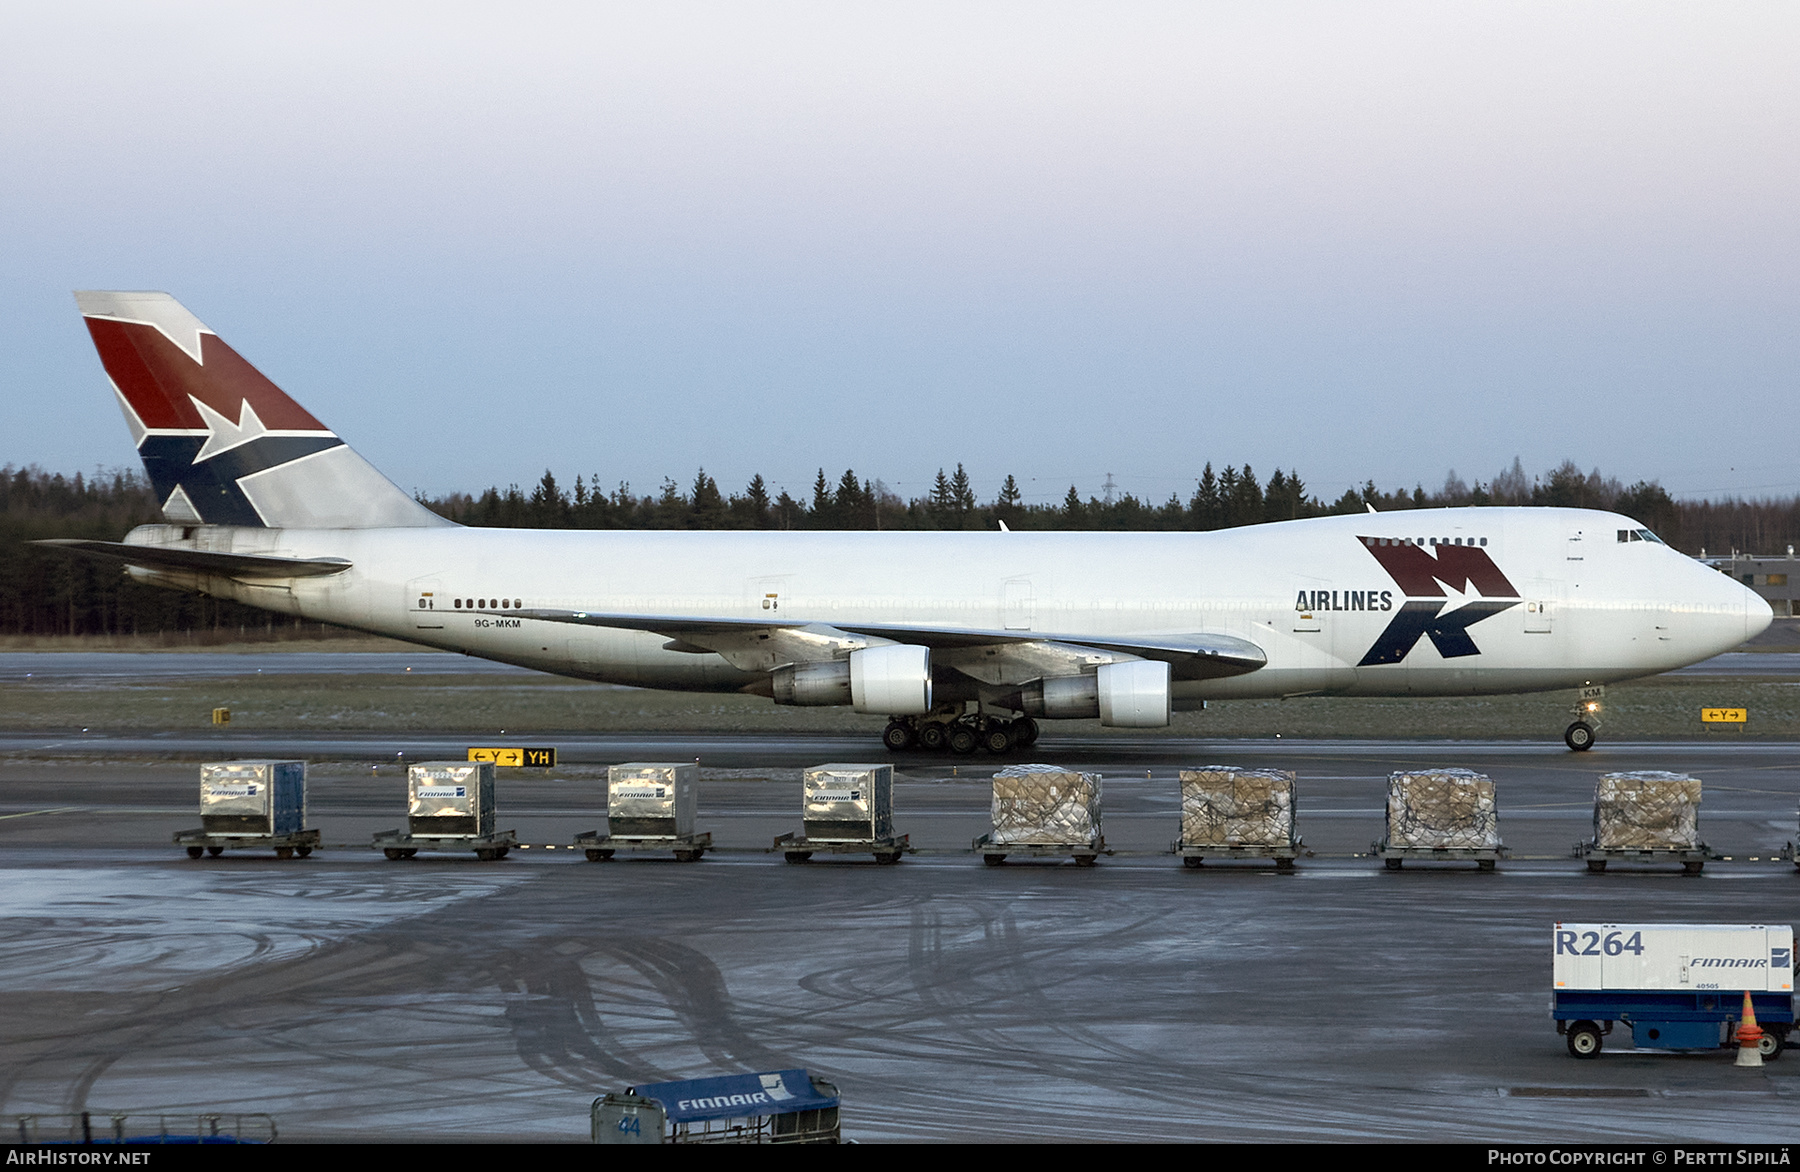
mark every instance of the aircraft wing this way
{"type": "Point", "coordinates": [232, 565]}
{"type": "Point", "coordinates": [1192, 657]}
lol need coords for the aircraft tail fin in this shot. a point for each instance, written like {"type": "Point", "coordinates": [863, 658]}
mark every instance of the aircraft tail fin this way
{"type": "Point", "coordinates": [223, 445]}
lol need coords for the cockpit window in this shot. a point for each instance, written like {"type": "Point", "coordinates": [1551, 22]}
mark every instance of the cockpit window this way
{"type": "Point", "coordinates": [1638, 535]}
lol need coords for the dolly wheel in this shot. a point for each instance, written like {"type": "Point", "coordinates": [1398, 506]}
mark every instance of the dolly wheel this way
{"type": "Point", "coordinates": [1284, 864]}
{"type": "Point", "coordinates": [215, 851]}
{"type": "Point", "coordinates": [1579, 736]}
{"type": "Point", "coordinates": [887, 857]}
{"type": "Point", "coordinates": [1692, 868]}
{"type": "Point", "coordinates": [195, 852]}
{"type": "Point", "coordinates": [1484, 864]}
{"type": "Point", "coordinates": [798, 856]}
{"type": "Point", "coordinates": [1584, 1040]}
{"type": "Point", "coordinates": [1086, 860]}
{"type": "Point", "coordinates": [1393, 864]}
{"type": "Point", "coordinates": [394, 854]}
{"type": "Point", "coordinates": [1193, 862]}
{"type": "Point", "coordinates": [993, 860]}
{"type": "Point", "coordinates": [1596, 865]}
{"type": "Point", "coordinates": [303, 851]}
{"type": "Point", "coordinates": [284, 852]}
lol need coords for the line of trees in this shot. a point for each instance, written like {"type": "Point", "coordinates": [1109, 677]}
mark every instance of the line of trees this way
{"type": "Point", "coordinates": [44, 593]}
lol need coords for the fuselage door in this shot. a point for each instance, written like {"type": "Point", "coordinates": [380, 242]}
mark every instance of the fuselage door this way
{"type": "Point", "coordinates": [424, 597]}
{"type": "Point", "coordinates": [1539, 607]}
{"type": "Point", "coordinates": [1018, 604]}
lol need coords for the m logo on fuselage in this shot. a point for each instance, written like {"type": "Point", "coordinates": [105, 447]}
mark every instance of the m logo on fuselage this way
{"type": "Point", "coordinates": [1423, 578]}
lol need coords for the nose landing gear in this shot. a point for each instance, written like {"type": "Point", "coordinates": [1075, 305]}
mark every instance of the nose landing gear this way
{"type": "Point", "coordinates": [1579, 736]}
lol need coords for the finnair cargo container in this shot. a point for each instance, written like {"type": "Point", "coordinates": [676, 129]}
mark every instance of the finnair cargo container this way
{"type": "Point", "coordinates": [450, 799]}
{"type": "Point", "coordinates": [845, 802]}
{"type": "Point", "coordinates": [650, 799]}
{"type": "Point", "coordinates": [1683, 957]}
{"type": "Point", "coordinates": [253, 797]}
{"type": "Point", "coordinates": [1678, 986]}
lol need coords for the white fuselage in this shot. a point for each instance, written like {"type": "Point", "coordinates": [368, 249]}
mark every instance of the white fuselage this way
{"type": "Point", "coordinates": [1590, 608]}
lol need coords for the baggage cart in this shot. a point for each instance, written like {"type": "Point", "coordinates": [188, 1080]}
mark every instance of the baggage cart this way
{"type": "Point", "coordinates": [135, 1128]}
{"type": "Point", "coordinates": [1230, 813]}
{"type": "Point", "coordinates": [798, 848]}
{"type": "Point", "coordinates": [650, 806]}
{"type": "Point", "coordinates": [846, 808]}
{"type": "Point", "coordinates": [251, 805]}
{"type": "Point", "coordinates": [398, 844]}
{"type": "Point", "coordinates": [1085, 854]}
{"type": "Point", "coordinates": [1675, 986]}
{"type": "Point", "coordinates": [450, 807]}
{"type": "Point", "coordinates": [1440, 815]}
{"type": "Point", "coordinates": [1649, 817]}
{"type": "Point", "coordinates": [1044, 811]}
{"type": "Point", "coordinates": [775, 1107]}
{"type": "Point", "coordinates": [687, 848]}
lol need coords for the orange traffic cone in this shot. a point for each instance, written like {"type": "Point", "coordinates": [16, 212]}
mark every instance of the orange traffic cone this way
{"type": "Point", "coordinates": [1749, 1036]}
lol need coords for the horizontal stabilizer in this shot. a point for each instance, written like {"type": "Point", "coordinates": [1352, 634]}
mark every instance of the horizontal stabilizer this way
{"type": "Point", "coordinates": [231, 565]}
{"type": "Point", "coordinates": [1192, 657]}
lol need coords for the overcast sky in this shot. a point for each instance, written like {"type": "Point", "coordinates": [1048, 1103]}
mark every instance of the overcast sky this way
{"type": "Point", "coordinates": [1059, 241]}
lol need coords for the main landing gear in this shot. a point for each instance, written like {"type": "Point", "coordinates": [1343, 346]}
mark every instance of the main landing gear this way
{"type": "Point", "coordinates": [959, 732]}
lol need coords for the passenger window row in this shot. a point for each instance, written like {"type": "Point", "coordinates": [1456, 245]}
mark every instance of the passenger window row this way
{"type": "Point", "coordinates": [489, 603]}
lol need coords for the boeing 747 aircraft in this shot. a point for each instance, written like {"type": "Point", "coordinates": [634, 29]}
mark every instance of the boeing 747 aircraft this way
{"type": "Point", "coordinates": [963, 640]}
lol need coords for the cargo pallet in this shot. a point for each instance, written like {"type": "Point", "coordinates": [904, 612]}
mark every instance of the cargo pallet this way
{"type": "Point", "coordinates": [285, 846]}
{"type": "Point", "coordinates": [1661, 1020]}
{"type": "Point", "coordinates": [1194, 854]}
{"type": "Point", "coordinates": [1691, 859]}
{"type": "Point", "coordinates": [688, 848]}
{"type": "Point", "coordinates": [397, 844]}
{"type": "Point", "coordinates": [1085, 854]}
{"type": "Point", "coordinates": [1484, 858]}
{"type": "Point", "coordinates": [797, 848]}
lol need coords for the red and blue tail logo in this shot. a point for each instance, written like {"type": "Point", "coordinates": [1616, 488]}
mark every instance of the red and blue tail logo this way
{"type": "Point", "coordinates": [222, 444]}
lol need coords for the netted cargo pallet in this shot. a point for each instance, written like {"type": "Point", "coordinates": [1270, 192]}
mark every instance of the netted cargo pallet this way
{"type": "Point", "coordinates": [687, 848]}
{"type": "Point", "coordinates": [1647, 816]}
{"type": "Point", "coordinates": [1044, 805]}
{"type": "Point", "coordinates": [1229, 813]}
{"type": "Point", "coordinates": [1441, 815]}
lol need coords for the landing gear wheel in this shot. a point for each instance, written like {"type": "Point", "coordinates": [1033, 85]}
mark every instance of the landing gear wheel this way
{"type": "Point", "coordinates": [1584, 1040]}
{"type": "Point", "coordinates": [798, 856]}
{"type": "Point", "coordinates": [1579, 736]}
{"type": "Point", "coordinates": [993, 860]}
{"type": "Point", "coordinates": [303, 851]}
{"type": "Point", "coordinates": [215, 851]}
{"type": "Point", "coordinates": [1025, 732]}
{"type": "Point", "coordinates": [195, 852]}
{"type": "Point", "coordinates": [962, 740]}
{"type": "Point", "coordinates": [284, 852]}
{"type": "Point", "coordinates": [932, 737]}
{"type": "Point", "coordinates": [997, 739]}
{"type": "Point", "coordinates": [1193, 863]}
{"type": "Point", "coordinates": [899, 736]}
{"type": "Point", "coordinates": [1771, 1045]}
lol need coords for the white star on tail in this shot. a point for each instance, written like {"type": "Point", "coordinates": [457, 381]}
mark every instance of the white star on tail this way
{"type": "Point", "coordinates": [223, 434]}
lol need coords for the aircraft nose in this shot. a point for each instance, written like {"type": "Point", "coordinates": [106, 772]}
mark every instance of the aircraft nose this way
{"type": "Point", "coordinates": [1758, 614]}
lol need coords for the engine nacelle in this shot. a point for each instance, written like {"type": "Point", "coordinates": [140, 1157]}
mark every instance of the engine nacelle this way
{"type": "Point", "coordinates": [1134, 694]}
{"type": "Point", "coordinates": [888, 681]}
{"type": "Point", "coordinates": [894, 680]}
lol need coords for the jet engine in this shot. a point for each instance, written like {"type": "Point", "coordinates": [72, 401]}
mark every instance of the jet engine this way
{"type": "Point", "coordinates": [891, 680]}
{"type": "Point", "coordinates": [1124, 695]}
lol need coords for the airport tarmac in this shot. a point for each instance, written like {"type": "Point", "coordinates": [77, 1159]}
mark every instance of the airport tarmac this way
{"type": "Point", "coordinates": [444, 998]}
